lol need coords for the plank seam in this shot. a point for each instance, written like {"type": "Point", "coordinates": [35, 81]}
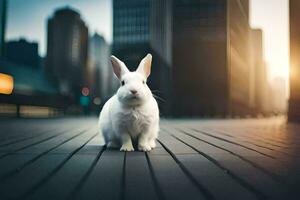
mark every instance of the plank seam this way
{"type": "Point", "coordinates": [270, 174]}
{"type": "Point", "coordinates": [53, 172]}
{"type": "Point", "coordinates": [123, 179]}
{"type": "Point", "coordinates": [157, 189]}
{"type": "Point", "coordinates": [26, 138]}
{"type": "Point", "coordinates": [242, 182]}
{"type": "Point", "coordinates": [251, 140]}
{"type": "Point", "coordinates": [259, 145]}
{"type": "Point", "coordinates": [206, 193]}
{"type": "Point", "coordinates": [35, 143]}
{"type": "Point", "coordinates": [231, 142]}
{"type": "Point", "coordinates": [18, 169]}
{"type": "Point", "coordinates": [83, 179]}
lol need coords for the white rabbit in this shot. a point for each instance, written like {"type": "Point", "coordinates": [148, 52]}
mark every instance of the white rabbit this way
{"type": "Point", "coordinates": [132, 113]}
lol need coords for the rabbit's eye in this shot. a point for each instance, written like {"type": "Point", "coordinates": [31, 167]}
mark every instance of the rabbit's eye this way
{"type": "Point", "coordinates": [144, 82]}
{"type": "Point", "coordinates": [122, 83]}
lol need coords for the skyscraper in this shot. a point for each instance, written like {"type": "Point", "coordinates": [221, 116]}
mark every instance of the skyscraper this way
{"type": "Point", "coordinates": [202, 48]}
{"type": "Point", "coordinates": [67, 45]}
{"type": "Point", "coordinates": [210, 65]}
{"type": "Point", "coordinates": [259, 82]}
{"type": "Point", "coordinates": [3, 7]}
{"type": "Point", "coordinates": [294, 101]}
{"type": "Point", "coordinates": [102, 81]}
{"type": "Point", "coordinates": [23, 52]}
{"type": "Point", "coordinates": [141, 27]}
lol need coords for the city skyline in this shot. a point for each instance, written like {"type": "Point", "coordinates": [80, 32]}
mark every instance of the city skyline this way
{"type": "Point", "coordinates": [33, 25]}
{"type": "Point", "coordinates": [276, 51]}
{"type": "Point", "coordinates": [218, 32]}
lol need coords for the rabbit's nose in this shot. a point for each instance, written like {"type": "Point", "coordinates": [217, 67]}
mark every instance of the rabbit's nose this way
{"type": "Point", "coordinates": [133, 91]}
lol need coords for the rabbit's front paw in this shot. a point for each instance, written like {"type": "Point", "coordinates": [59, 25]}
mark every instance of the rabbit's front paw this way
{"type": "Point", "coordinates": [152, 144]}
{"type": "Point", "coordinates": [127, 147]}
{"type": "Point", "coordinates": [144, 147]}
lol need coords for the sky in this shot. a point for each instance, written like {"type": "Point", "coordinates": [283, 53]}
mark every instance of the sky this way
{"type": "Point", "coordinates": [29, 20]}
{"type": "Point", "coordinates": [272, 16]}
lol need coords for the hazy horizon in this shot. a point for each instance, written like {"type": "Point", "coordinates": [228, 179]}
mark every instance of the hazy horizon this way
{"type": "Point", "coordinates": [272, 16]}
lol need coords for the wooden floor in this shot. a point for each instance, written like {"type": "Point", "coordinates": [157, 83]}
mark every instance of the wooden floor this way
{"type": "Point", "coordinates": [195, 159]}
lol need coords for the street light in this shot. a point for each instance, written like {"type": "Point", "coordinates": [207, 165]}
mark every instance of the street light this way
{"type": "Point", "coordinates": [6, 84]}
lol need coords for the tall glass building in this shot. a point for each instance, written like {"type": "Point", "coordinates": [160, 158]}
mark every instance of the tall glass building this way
{"type": "Point", "coordinates": [259, 83]}
{"type": "Point", "coordinates": [202, 48]}
{"type": "Point", "coordinates": [101, 77]}
{"type": "Point", "coordinates": [131, 22]}
{"type": "Point", "coordinates": [141, 27]}
{"type": "Point", "coordinates": [210, 57]}
{"type": "Point", "coordinates": [67, 46]}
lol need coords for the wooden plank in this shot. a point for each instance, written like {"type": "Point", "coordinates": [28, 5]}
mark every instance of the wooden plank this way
{"type": "Point", "coordinates": [17, 130]}
{"type": "Point", "coordinates": [239, 151]}
{"type": "Point", "coordinates": [176, 148]}
{"type": "Point", "coordinates": [171, 177]}
{"type": "Point", "coordinates": [196, 162]}
{"type": "Point", "coordinates": [105, 180]}
{"type": "Point", "coordinates": [245, 174]}
{"type": "Point", "coordinates": [263, 151]}
{"type": "Point", "coordinates": [181, 167]}
{"type": "Point", "coordinates": [257, 141]}
{"type": "Point", "coordinates": [17, 186]}
{"type": "Point", "coordinates": [61, 184]}
{"type": "Point", "coordinates": [172, 181]}
{"type": "Point", "coordinates": [13, 163]}
{"type": "Point", "coordinates": [14, 148]}
{"type": "Point", "coordinates": [138, 181]}
{"type": "Point", "coordinates": [221, 185]}
{"type": "Point", "coordinates": [26, 136]}
{"type": "Point", "coordinates": [276, 169]}
{"type": "Point", "coordinates": [40, 172]}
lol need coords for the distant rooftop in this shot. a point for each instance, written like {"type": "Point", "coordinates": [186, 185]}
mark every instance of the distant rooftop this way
{"type": "Point", "coordinates": [67, 10]}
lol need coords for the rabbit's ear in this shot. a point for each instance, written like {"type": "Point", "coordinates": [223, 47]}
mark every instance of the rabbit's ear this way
{"type": "Point", "coordinates": [145, 65]}
{"type": "Point", "coordinates": [118, 66]}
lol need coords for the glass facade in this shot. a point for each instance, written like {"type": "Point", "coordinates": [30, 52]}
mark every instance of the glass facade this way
{"type": "Point", "coordinates": [217, 66]}
{"type": "Point", "coordinates": [67, 50]}
{"type": "Point", "coordinates": [131, 21]}
{"type": "Point", "coordinates": [199, 63]}
{"type": "Point", "coordinates": [141, 27]}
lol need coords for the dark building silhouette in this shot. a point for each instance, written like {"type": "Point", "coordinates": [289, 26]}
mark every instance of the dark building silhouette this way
{"type": "Point", "coordinates": [101, 77]}
{"type": "Point", "coordinates": [259, 82]}
{"type": "Point", "coordinates": [23, 52]}
{"type": "Point", "coordinates": [201, 49]}
{"type": "Point", "coordinates": [210, 61]}
{"type": "Point", "coordinates": [141, 27]}
{"type": "Point", "coordinates": [67, 45]}
{"type": "Point", "coordinates": [294, 101]}
{"type": "Point", "coordinates": [3, 7]}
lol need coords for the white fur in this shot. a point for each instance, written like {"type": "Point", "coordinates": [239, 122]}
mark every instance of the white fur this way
{"type": "Point", "coordinates": [126, 116]}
